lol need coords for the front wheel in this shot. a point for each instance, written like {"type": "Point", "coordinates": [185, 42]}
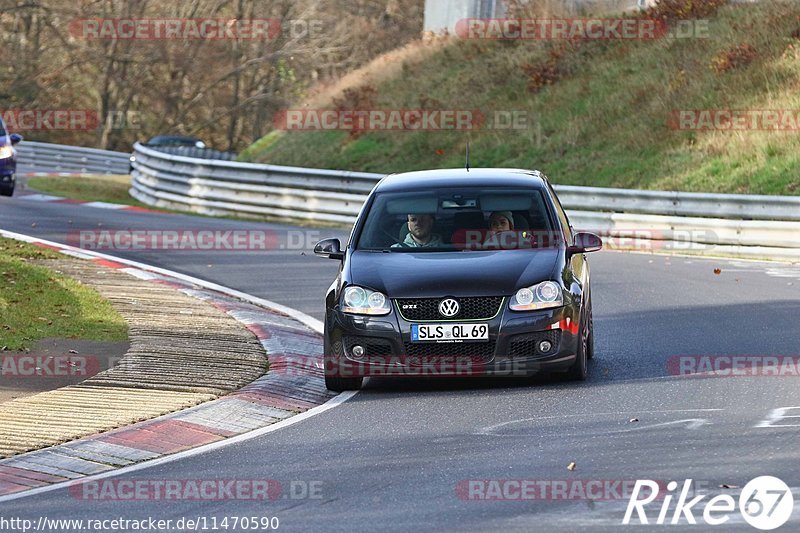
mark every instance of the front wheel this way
{"type": "Point", "coordinates": [580, 371]}
{"type": "Point", "coordinates": [342, 384]}
{"type": "Point", "coordinates": [7, 191]}
{"type": "Point", "coordinates": [590, 339]}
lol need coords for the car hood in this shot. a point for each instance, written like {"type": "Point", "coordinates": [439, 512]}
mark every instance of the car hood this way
{"type": "Point", "coordinates": [431, 274]}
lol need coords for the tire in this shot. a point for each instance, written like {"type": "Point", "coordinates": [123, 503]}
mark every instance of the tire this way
{"type": "Point", "coordinates": [342, 384]}
{"type": "Point", "coordinates": [7, 191]}
{"type": "Point", "coordinates": [590, 340]}
{"type": "Point", "coordinates": [580, 371]}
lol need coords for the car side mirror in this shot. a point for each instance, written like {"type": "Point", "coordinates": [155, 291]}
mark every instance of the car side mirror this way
{"type": "Point", "coordinates": [585, 242]}
{"type": "Point", "coordinates": [15, 138]}
{"type": "Point", "coordinates": [330, 248]}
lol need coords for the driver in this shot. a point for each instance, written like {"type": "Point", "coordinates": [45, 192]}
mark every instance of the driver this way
{"type": "Point", "coordinates": [420, 233]}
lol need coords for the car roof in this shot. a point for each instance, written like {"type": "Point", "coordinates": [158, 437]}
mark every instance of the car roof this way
{"type": "Point", "coordinates": [461, 177]}
{"type": "Point", "coordinates": [173, 138]}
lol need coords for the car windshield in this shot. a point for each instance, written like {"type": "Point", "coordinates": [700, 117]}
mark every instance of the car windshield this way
{"type": "Point", "coordinates": [473, 219]}
{"type": "Point", "coordinates": [3, 131]}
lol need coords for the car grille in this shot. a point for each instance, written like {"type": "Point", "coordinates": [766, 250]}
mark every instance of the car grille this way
{"type": "Point", "coordinates": [451, 350]}
{"type": "Point", "coordinates": [473, 308]}
{"type": "Point", "coordinates": [527, 345]}
{"type": "Point", "coordinates": [374, 348]}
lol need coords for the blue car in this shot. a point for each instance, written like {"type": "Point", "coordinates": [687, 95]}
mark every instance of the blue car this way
{"type": "Point", "coordinates": [8, 160]}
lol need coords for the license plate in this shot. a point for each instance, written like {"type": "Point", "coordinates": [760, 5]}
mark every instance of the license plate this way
{"type": "Point", "coordinates": [449, 332]}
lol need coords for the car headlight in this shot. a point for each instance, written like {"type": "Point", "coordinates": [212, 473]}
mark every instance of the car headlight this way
{"type": "Point", "coordinates": [6, 152]}
{"type": "Point", "coordinates": [361, 301]}
{"type": "Point", "coordinates": [542, 296]}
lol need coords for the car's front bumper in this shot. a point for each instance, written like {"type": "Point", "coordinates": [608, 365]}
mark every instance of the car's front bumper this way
{"type": "Point", "coordinates": [510, 351]}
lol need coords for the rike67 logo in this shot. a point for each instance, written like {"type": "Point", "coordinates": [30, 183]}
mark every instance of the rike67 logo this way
{"type": "Point", "coordinates": [765, 503]}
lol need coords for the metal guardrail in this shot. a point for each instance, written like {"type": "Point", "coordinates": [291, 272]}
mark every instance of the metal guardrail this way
{"type": "Point", "coordinates": [681, 204]}
{"type": "Point", "coordinates": [739, 225]}
{"type": "Point", "coordinates": [742, 225]}
{"type": "Point", "coordinates": [214, 181]}
{"type": "Point", "coordinates": [230, 188]}
{"type": "Point", "coordinates": [46, 157]}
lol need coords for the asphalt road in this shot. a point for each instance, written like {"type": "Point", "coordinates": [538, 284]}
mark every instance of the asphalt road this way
{"type": "Point", "coordinates": [396, 456]}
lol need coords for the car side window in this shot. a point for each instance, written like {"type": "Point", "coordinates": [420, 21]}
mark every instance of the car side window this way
{"type": "Point", "coordinates": [562, 215]}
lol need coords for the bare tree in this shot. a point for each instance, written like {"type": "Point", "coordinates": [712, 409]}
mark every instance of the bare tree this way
{"type": "Point", "coordinates": [223, 90]}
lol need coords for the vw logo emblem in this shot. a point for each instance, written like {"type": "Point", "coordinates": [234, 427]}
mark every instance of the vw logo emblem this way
{"type": "Point", "coordinates": [448, 307]}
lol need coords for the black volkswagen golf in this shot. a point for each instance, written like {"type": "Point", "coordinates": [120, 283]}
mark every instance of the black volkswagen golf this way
{"type": "Point", "coordinates": [459, 273]}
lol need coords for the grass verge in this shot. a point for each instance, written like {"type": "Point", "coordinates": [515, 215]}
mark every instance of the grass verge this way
{"type": "Point", "coordinates": [36, 302]}
{"type": "Point", "coordinates": [110, 188]}
{"type": "Point", "coordinates": [114, 189]}
{"type": "Point", "coordinates": [598, 112]}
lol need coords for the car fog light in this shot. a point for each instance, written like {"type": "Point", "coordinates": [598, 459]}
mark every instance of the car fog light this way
{"type": "Point", "coordinates": [545, 346]}
{"type": "Point", "coordinates": [358, 351]}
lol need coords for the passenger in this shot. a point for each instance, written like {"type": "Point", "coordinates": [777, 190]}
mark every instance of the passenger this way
{"type": "Point", "coordinates": [420, 233]}
{"type": "Point", "coordinates": [500, 221]}
{"type": "Point", "coordinates": [501, 234]}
